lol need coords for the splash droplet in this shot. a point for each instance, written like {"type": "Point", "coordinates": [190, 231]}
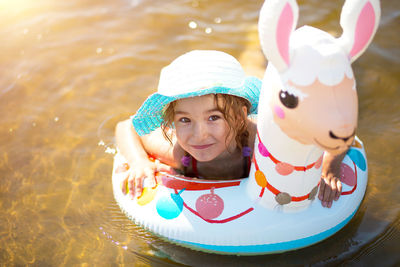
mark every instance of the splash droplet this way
{"type": "Point", "coordinates": [192, 25]}
{"type": "Point", "coordinates": [217, 20]}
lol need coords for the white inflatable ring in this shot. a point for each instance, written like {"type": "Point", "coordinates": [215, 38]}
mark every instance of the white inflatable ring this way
{"type": "Point", "coordinates": [218, 216]}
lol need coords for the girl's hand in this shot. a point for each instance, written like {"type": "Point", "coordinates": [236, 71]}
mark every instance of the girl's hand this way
{"type": "Point", "coordinates": [145, 169]}
{"type": "Point", "coordinates": [330, 186]}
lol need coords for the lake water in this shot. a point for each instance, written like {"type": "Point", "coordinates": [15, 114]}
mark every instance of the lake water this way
{"type": "Point", "coordinates": [70, 70]}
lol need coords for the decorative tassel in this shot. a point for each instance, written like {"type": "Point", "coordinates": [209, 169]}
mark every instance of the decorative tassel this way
{"type": "Point", "coordinates": [185, 161]}
{"type": "Point", "coordinates": [246, 151]}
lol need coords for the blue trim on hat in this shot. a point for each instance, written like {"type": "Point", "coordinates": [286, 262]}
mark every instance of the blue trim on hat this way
{"type": "Point", "coordinates": [149, 116]}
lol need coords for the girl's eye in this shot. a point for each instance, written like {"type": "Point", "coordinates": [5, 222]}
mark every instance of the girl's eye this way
{"type": "Point", "coordinates": [184, 120]}
{"type": "Point", "coordinates": [214, 118]}
{"type": "Point", "coordinates": [288, 100]}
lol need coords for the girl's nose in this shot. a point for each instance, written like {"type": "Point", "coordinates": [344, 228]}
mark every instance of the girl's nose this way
{"type": "Point", "coordinates": [200, 131]}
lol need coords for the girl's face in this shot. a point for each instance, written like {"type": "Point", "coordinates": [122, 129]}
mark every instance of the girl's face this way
{"type": "Point", "coordinates": [201, 129]}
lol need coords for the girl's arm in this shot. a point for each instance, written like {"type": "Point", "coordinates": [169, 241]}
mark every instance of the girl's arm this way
{"type": "Point", "coordinates": [331, 186]}
{"type": "Point", "coordinates": [135, 149]}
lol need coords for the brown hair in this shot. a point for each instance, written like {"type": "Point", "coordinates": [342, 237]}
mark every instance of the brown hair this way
{"type": "Point", "coordinates": [231, 108]}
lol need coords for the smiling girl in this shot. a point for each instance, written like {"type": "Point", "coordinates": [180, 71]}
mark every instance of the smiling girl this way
{"type": "Point", "coordinates": [196, 124]}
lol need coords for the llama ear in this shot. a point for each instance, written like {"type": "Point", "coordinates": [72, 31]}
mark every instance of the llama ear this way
{"type": "Point", "coordinates": [359, 21]}
{"type": "Point", "coordinates": [278, 19]}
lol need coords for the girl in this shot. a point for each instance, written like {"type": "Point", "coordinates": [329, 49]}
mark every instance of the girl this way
{"type": "Point", "coordinates": [198, 124]}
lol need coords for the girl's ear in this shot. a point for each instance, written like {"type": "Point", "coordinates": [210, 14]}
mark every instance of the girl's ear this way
{"type": "Point", "coordinates": [359, 21]}
{"type": "Point", "coordinates": [278, 19]}
{"type": "Point", "coordinates": [244, 109]}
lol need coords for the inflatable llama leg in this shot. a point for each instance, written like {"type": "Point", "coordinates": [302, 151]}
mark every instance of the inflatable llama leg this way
{"type": "Point", "coordinates": [308, 103]}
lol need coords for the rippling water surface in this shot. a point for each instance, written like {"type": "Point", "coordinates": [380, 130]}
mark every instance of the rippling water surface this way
{"type": "Point", "coordinates": [71, 69]}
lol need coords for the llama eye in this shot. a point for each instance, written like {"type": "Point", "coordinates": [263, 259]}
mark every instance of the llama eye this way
{"type": "Point", "coordinates": [288, 100]}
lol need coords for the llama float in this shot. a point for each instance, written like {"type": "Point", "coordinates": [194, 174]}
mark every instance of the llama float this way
{"type": "Point", "coordinates": [308, 105]}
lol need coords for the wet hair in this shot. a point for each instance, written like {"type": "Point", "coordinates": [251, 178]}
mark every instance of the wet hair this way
{"type": "Point", "coordinates": [231, 108]}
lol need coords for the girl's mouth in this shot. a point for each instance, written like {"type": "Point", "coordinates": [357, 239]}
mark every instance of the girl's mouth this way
{"type": "Point", "coordinates": [201, 146]}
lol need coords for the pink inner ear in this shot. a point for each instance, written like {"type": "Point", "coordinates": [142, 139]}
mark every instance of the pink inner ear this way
{"type": "Point", "coordinates": [283, 31]}
{"type": "Point", "coordinates": [364, 29]}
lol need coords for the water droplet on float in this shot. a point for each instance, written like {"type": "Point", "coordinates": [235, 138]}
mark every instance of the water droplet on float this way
{"type": "Point", "coordinates": [217, 20]}
{"type": "Point", "coordinates": [208, 30]}
{"type": "Point", "coordinates": [99, 50]}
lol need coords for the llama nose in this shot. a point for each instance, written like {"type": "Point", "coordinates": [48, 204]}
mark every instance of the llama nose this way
{"type": "Point", "coordinates": [334, 136]}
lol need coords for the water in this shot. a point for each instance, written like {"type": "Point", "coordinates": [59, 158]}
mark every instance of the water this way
{"type": "Point", "coordinates": [71, 69]}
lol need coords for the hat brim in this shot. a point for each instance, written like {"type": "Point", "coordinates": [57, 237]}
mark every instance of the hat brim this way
{"type": "Point", "coordinates": [150, 115]}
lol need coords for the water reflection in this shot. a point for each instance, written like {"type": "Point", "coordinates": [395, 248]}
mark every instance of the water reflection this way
{"type": "Point", "coordinates": [71, 70]}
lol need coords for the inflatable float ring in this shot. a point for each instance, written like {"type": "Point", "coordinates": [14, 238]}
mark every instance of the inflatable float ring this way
{"type": "Point", "coordinates": [223, 216]}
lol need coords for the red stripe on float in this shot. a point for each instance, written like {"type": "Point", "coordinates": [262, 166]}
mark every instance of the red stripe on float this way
{"type": "Point", "coordinates": [178, 184]}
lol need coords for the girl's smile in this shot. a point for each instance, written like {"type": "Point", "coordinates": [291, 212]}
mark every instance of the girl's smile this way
{"type": "Point", "coordinates": [201, 146]}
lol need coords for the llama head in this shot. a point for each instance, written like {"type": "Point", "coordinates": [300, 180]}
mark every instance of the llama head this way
{"type": "Point", "coordinates": [309, 86]}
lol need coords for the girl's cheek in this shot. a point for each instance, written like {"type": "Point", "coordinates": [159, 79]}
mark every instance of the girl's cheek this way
{"type": "Point", "coordinates": [279, 112]}
{"type": "Point", "coordinates": [183, 132]}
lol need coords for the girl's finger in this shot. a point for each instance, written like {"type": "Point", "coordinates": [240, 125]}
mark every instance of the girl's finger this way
{"type": "Point", "coordinates": [333, 190]}
{"type": "Point", "coordinates": [151, 177]}
{"type": "Point", "coordinates": [124, 185]}
{"type": "Point", "coordinates": [131, 185]}
{"type": "Point", "coordinates": [321, 189]}
{"type": "Point", "coordinates": [327, 191]}
{"type": "Point", "coordinates": [332, 193]}
{"type": "Point", "coordinates": [339, 189]}
{"type": "Point", "coordinates": [138, 186]}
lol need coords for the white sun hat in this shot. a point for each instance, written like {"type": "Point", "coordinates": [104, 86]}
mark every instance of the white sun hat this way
{"type": "Point", "coordinates": [196, 73]}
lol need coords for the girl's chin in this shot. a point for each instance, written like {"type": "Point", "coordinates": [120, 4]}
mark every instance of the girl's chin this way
{"type": "Point", "coordinates": [203, 159]}
{"type": "Point", "coordinates": [203, 156]}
